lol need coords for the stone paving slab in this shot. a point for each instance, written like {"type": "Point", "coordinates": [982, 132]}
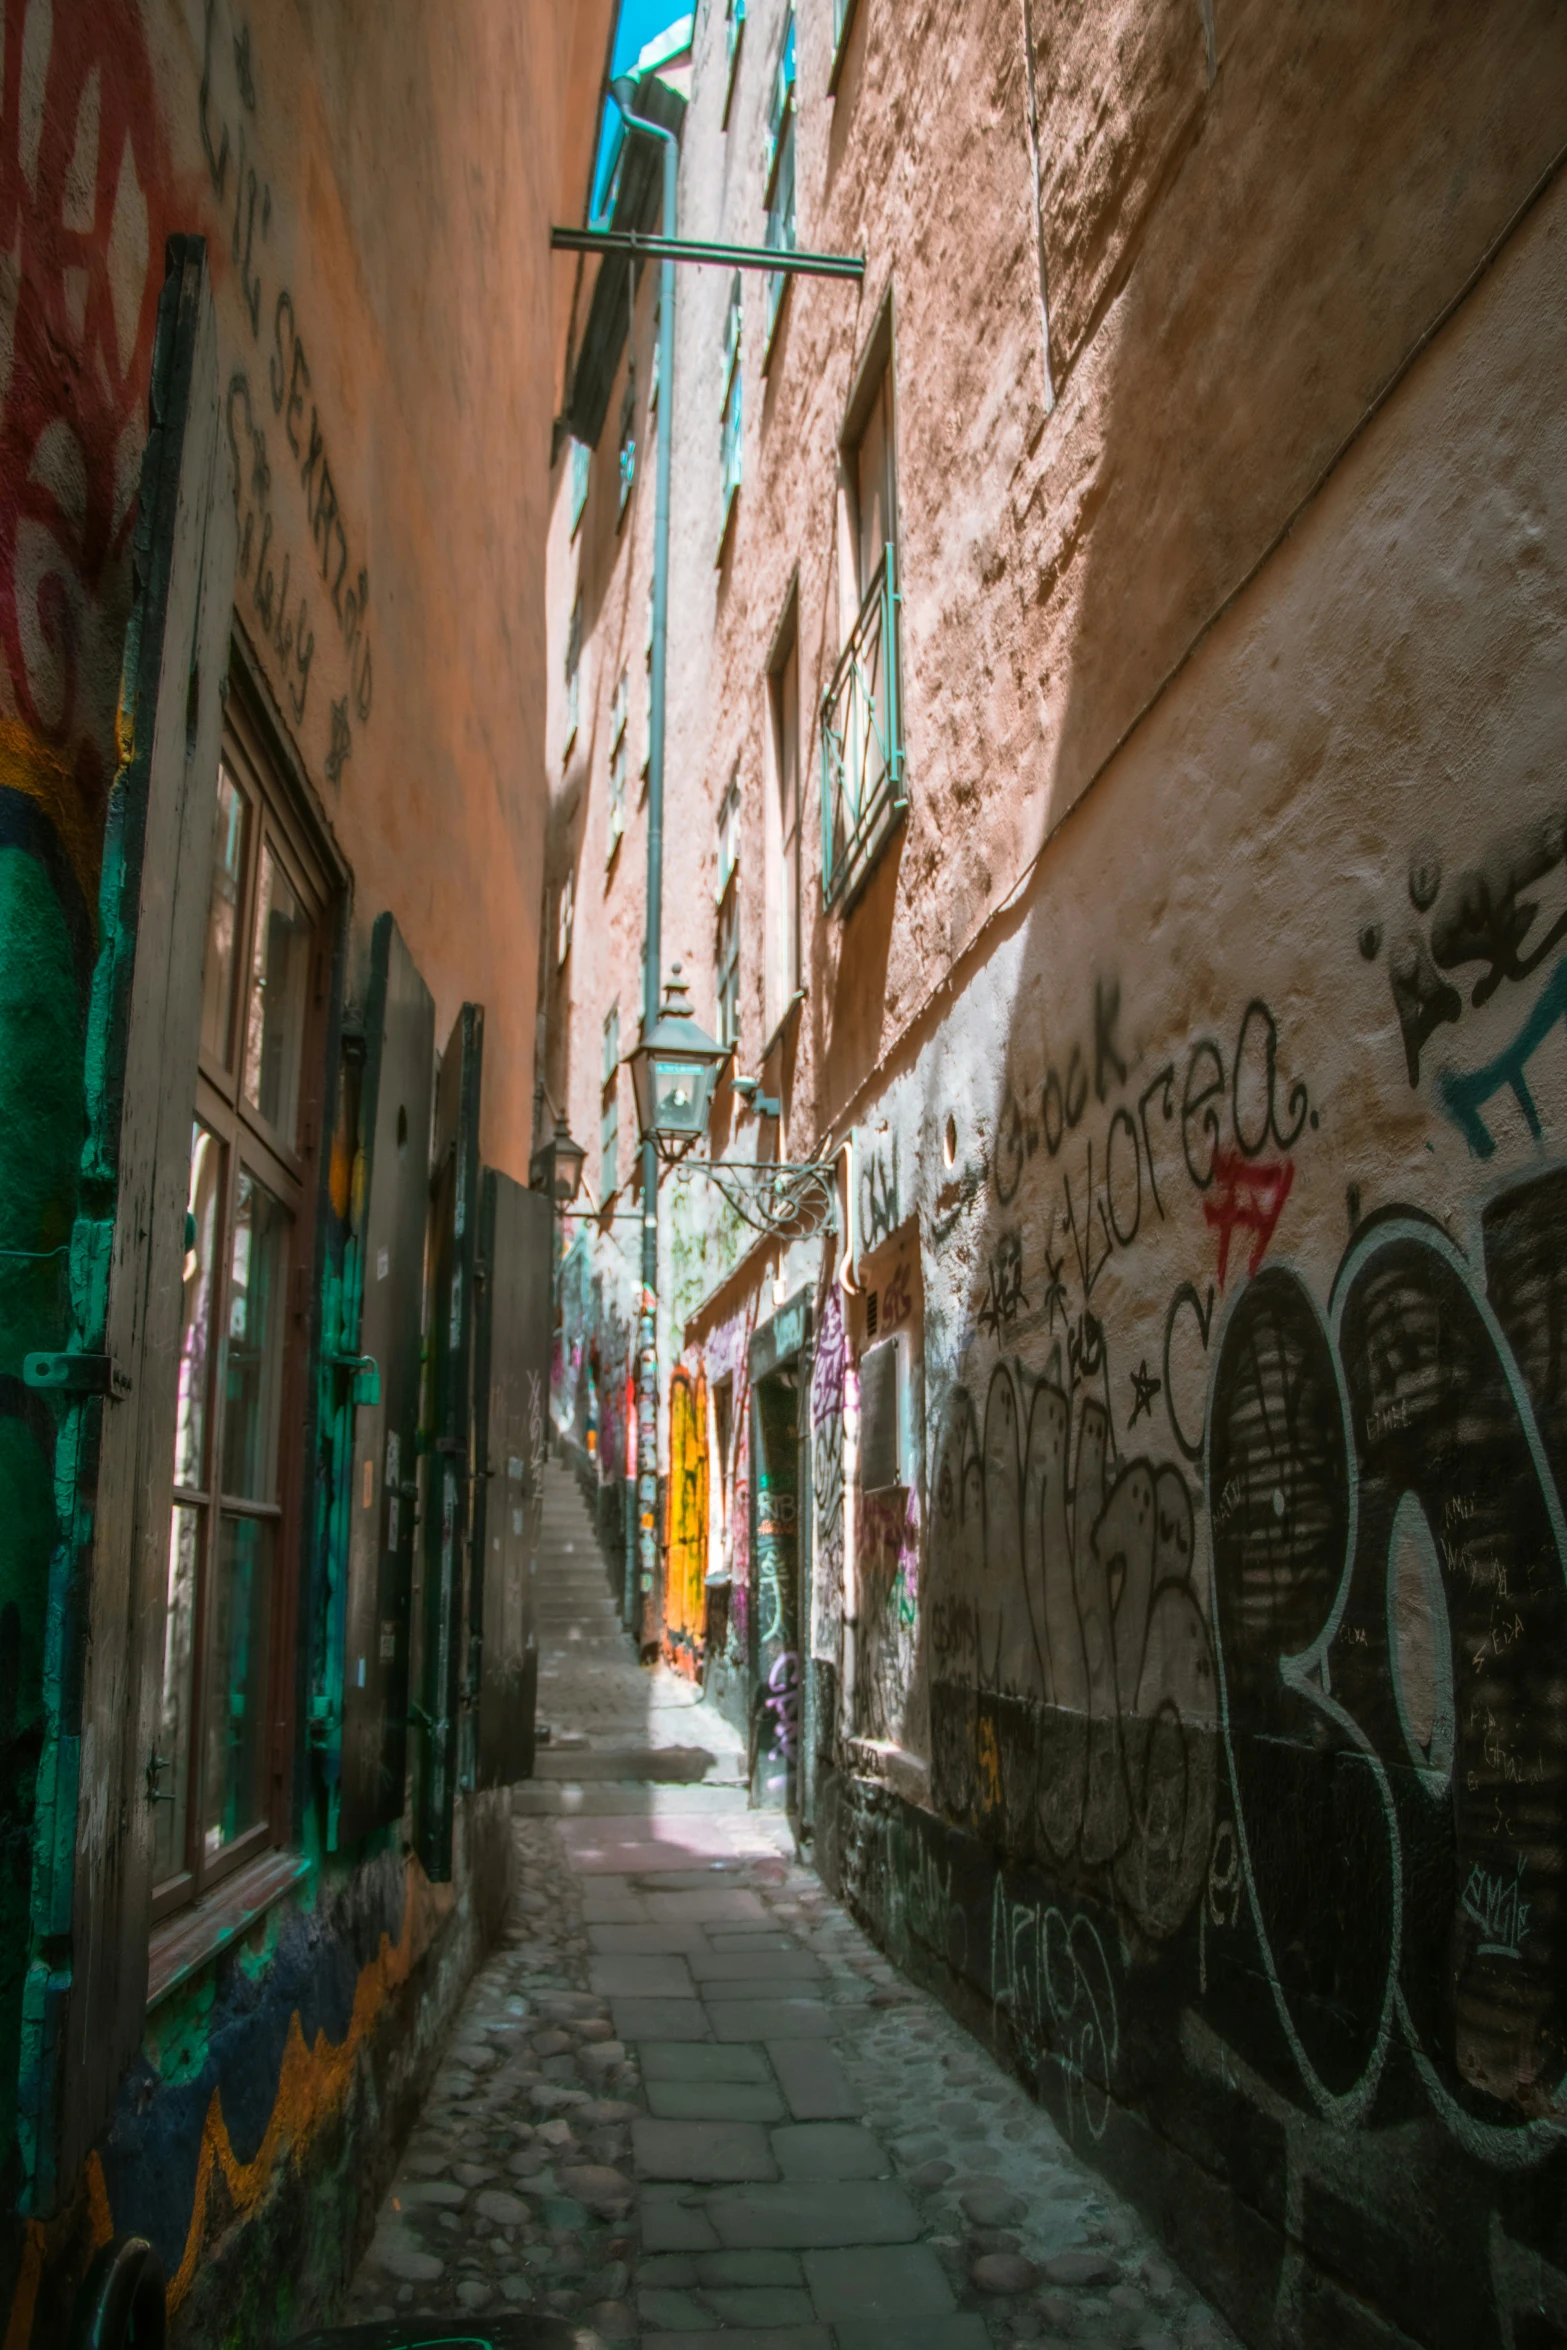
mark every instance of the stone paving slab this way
{"type": "Point", "coordinates": [781, 1962]}
{"type": "Point", "coordinates": [715, 2101]}
{"type": "Point", "coordinates": [646, 1976]}
{"type": "Point", "coordinates": [626, 2130]}
{"type": "Point", "coordinates": [903, 2280]}
{"type": "Point", "coordinates": [814, 2081]}
{"type": "Point", "coordinates": [771, 2019]}
{"type": "Point", "coordinates": [662, 2019]}
{"type": "Point", "coordinates": [803, 2214]}
{"type": "Point", "coordinates": [702, 2150]}
{"type": "Point", "coordinates": [828, 2150]}
{"type": "Point", "coordinates": [681, 2060]}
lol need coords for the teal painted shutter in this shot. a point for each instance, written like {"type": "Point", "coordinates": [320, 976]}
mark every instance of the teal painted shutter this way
{"type": "Point", "coordinates": [445, 1711]}
{"type": "Point", "coordinates": [513, 1405]}
{"type": "Point", "coordinates": [377, 1371]}
{"type": "Point", "coordinates": [86, 1989]}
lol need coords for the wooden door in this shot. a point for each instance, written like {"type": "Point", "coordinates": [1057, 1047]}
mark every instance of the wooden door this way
{"type": "Point", "coordinates": [446, 1712]}
{"type": "Point", "coordinates": [515, 1240]}
{"type": "Point", "coordinates": [392, 1212]}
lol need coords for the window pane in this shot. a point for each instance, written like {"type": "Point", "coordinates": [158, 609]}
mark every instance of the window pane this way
{"type": "Point", "coordinates": [234, 1783]}
{"type": "Point", "coordinates": [253, 1380]}
{"type": "Point", "coordinates": [179, 1628]}
{"type": "Point", "coordinates": [201, 1238]}
{"type": "Point", "coordinates": [228, 880]}
{"type": "Point", "coordinates": [275, 1021]}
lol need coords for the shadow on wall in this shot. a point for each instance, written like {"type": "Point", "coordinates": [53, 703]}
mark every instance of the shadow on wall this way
{"type": "Point", "coordinates": [1245, 1627]}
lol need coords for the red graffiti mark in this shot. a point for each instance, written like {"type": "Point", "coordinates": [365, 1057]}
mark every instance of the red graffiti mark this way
{"type": "Point", "coordinates": [86, 201]}
{"type": "Point", "coordinates": [1246, 1198]}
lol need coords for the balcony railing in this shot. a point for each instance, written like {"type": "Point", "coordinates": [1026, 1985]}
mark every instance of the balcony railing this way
{"type": "Point", "coordinates": [862, 743]}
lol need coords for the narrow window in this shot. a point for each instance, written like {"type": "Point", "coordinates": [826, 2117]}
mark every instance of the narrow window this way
{"type": "Point", "coordinates": [731, 428]}
{"type": "Point", "coordinates": [647, 689]}
{"type": "Point", "coordinates": [609, 1107]}
{"type": "Point", "coordinates": [573, 669]}
{"type": "Point", "coordinates": [727, 956]}
{"type": "Point", "coordinates": [783, 827]}
{"type": "Point", "coordinates": [227, 1668]}
{"type": "Point", "coordinates": [779, 175]}
{"type": "Point", "coordinates": [628, 446]}
{"type": "Point", "coordinates": [581, 455]}
{"type": "Point", "coordinates": [734, 29]}
{"type": "Point", "coordinates": [618, 712]}
{"type": "Point", "coordinates": [863, 793]}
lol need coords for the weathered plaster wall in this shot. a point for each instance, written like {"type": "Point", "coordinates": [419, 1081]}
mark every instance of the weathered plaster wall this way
{"type": "Point", "coordinates": [1245, 1565]}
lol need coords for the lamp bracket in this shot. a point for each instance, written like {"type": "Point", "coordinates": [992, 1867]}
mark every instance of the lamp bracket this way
{"type": "Point", "coordinates": [785, 1200]}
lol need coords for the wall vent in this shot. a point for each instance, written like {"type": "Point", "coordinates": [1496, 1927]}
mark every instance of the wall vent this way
{"type": "Point", "coordinates": [884, 1417]}
{"type": "Point", "coordinates": [870, 1314]}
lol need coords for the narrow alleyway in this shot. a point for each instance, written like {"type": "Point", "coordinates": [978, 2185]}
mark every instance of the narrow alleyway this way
{"type": "Point", "coordinates": [687, 2096]}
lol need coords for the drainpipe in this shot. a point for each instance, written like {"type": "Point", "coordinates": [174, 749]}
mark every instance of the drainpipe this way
{"type": "Point", "coordinates": [647, 1327]}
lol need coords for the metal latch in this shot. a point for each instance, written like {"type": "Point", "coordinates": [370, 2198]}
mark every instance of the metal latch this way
{"type": "Point", "coordinates": [77, 1374]}
{"type": "Point", "coordinates": [365, 1373]}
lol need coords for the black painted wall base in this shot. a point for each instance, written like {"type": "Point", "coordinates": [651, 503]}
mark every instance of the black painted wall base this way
{"type": "Point", "coordinates": [1162, 2064]}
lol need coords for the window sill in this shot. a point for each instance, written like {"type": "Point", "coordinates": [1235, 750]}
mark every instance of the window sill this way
{"type": "Point", "coordinates": [184, 1943]}
{"type": "Point", "coordinates": [784, 1018]}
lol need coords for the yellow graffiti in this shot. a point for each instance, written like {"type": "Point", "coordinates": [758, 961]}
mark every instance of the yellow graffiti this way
{"type": "Point", "coordinates": [19, 2326]}
{"type": "Point", "coordinates": [685, 1602]}
{"type": "Point", "coordinates": [313, 2083]}
{"type": "Point", "coordinates": [41, 775]}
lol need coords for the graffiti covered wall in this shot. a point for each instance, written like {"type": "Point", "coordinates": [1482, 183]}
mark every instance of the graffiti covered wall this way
{"type": "Point", "coordinates": [1240, 1166]}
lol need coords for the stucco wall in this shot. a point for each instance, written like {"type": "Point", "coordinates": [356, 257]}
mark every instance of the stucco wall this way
{"type": "Point", "coordinates": [1245, 1588]}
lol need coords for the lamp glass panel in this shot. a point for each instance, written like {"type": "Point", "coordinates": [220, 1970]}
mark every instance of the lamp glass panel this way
{"type": "Point", "coordinates": [679, 1093]}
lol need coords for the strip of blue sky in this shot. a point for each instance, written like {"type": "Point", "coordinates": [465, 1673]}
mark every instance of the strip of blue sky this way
{"type": "Point", "coordinates": [639, 24]}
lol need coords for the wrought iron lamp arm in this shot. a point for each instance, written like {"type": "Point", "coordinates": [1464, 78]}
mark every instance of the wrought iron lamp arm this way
{"type": "Point", "coordinates": [774, 1196]}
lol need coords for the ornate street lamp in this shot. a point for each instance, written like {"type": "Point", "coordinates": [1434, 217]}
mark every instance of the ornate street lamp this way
{"type": "Point", "coordinates": [556, 1166]}
{"type": "Point", "coordinates": [673, 1072]}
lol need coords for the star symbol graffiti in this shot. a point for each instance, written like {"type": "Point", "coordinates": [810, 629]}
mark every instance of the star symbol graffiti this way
{"type": "Point", "coordinates": [1144, 1390]}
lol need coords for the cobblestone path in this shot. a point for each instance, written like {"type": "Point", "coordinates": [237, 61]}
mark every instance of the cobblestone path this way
{"type": "Point", "coordinates": [687, 2096]}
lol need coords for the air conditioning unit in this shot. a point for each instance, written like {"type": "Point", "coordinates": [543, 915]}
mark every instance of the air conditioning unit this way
{"type": "Point", "coordinates": [886, 1451]}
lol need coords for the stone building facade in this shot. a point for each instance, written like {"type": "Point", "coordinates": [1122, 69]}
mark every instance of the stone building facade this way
{"type": "Point", "coordinates": [1135, 1533]}
{"type": "Point", "coordinates": [278, 359]}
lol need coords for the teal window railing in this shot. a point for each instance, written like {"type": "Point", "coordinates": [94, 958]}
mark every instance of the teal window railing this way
{"type": "Point", "coordinates": [863, 796]}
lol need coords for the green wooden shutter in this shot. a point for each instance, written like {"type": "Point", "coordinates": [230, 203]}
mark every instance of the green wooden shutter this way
{"type": "Point", "coordinates": [515, 1233]}
{"type": "Point", "coordinates": [391, 1209]}
{"type": "Point", "coordinates": [445, 1716]}
{"type": "Point", "coordinates": [86, 1990]}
